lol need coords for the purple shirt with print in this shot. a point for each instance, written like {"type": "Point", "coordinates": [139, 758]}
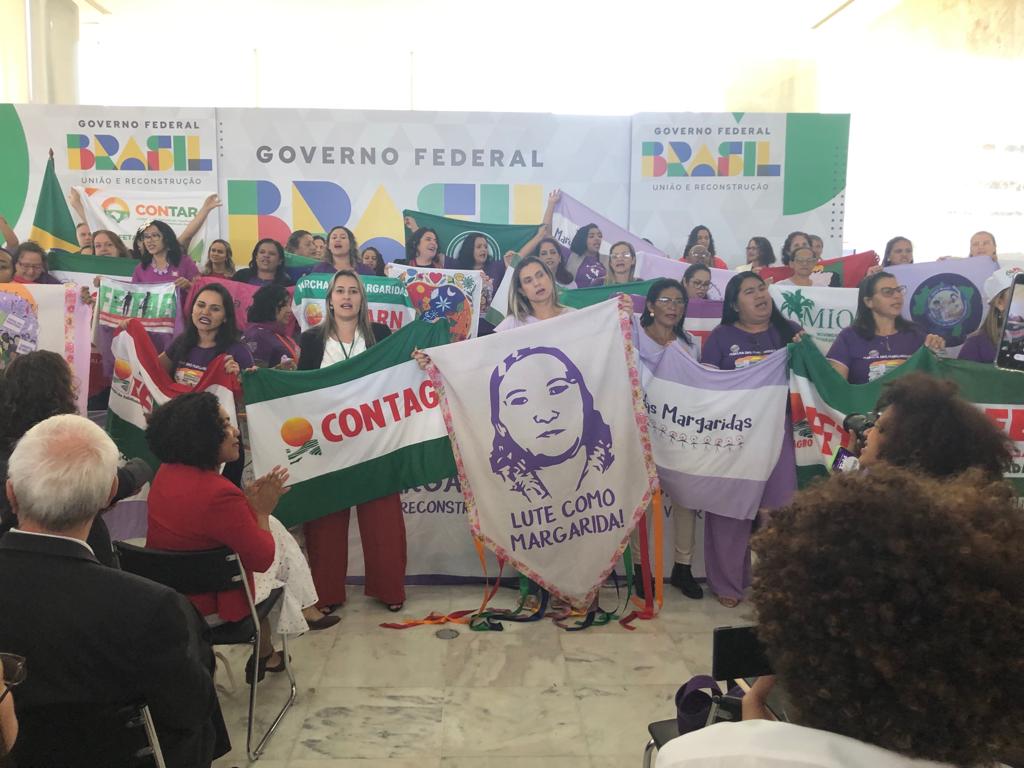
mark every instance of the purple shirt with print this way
{"type": "Point", "coordinates": [978, 349]}
{"type": "Point", "coordinates": [268, 344]}
{"type": "Point", "coordinates": [729, 348]}
{"type": "Point", "coordinates": [590, 272]}
{"type": "Point", "coordinates": [191, 368]}
{"type": "Point", "coordinates": [867, 359]}
{"type": "Point", "coordinates": [186, 268]}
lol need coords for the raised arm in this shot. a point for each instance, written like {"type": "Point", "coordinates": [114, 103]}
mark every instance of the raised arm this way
{"type": "Point", "coordinates": [185, 238]}
{"type": "Point", "coordinates": [544, 230]}
{"type": "Point", "coordinates": [10, 239]}
{"type": "Point", "coordinates": [75, 202]}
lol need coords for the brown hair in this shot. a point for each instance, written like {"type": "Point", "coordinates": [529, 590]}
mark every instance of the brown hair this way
{"type": "Point", "coordinates": [363, 323]}
{"type": "Point", "coordinates": [34, 387]}
{"type": "Point", "coordinates": [892, 607]}
{"type": "Point", "coordinates": [932, 429]}
{"type": "Point", "coordinates": [119, 246]}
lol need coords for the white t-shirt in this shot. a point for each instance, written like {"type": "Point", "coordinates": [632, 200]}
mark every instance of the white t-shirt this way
{"type": "Point", "coordinates": [334, 353]}
{"type": "Point", "coordinates": [770, 744]}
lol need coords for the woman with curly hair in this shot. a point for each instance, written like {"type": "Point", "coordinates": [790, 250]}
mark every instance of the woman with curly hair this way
{"type": "Point", "coordinates": [192, 506]}
{"type": "Point", "coordinates": [925, 425]}
{"type": "Point", "coordinates": [34, 387]}
{"type": "Point", "coordinates": [701, 236]}
{"type": "Point", "coordinates": [891, 606]}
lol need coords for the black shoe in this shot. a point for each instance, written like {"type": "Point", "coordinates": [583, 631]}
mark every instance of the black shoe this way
{"type": "Point", "coordinates": [638, 583]}
{"type": "Point", "coordinates": [682, 578]}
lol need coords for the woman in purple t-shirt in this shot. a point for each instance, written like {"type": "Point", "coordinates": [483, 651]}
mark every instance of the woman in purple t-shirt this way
{"type": "Point", "coordinates": [752, 328]}
{"type": "Point", "coordinates": [880, 339]}
{"type": "Point", "coordinates": [981, 345]}
{"type": "Point", "coordinates": [266, 266]}
{"type": "Point", "coordinates": [342, 252]}
{"type": "Point", "coordinates": [584, 262]}
{"type": "Point", "coordinates": [266, 335]}
{"type": "Point", "coordinates": [210, 331]}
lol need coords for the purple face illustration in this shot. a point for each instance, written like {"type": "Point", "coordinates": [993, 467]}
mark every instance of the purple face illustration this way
{"type": "Point", "coordinates": [543, 414]}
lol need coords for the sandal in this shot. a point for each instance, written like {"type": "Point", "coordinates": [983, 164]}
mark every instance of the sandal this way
{"type": "Point", "coordinates": [728, 602]}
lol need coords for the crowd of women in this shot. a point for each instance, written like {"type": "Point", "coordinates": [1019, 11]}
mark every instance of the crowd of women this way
{"type": "Point", "coordinates": [192, 435]}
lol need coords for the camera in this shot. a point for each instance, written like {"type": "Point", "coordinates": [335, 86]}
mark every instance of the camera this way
{"type": "Point", "coordinates": [860, 423]}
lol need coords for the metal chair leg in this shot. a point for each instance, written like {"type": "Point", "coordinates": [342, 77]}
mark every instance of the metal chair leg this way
{"type": "Point", "coordinates": [154, 741]}
{"type": "Point", "coordinates": [649, 753]}
{"type": "Point", "coordinates": [254, 754]}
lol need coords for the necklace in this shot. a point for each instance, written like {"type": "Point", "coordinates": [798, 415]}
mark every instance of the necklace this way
{"type": "Point", "coordinates": [346, 352]}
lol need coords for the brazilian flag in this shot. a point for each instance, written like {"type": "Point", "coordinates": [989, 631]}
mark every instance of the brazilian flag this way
{"type": "Point", "coordinates": [53, 226]}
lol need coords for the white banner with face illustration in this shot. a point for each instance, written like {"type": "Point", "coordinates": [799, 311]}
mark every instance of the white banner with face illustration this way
{"type": "Point", "coordinates": [557, 452]}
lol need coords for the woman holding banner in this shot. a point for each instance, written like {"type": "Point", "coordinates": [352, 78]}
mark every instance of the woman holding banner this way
{"type": "Point", "coordinates": [422, 249]}
{"type": "Point", "coordinates": [661, 327]}
{"type": "Point", "coordinates": [899, 250]}
{"type": "Point", "coordinates": [793, 241]}
{"type": "Point", "coordinates": [210, 331]}
{"type": "Point", "coordinates": [373, 260]}
{"type": "Point", "coordinates": [345, 333]}
{"type": "Point", "coordinates": [880, 339]}
{"type": "Point", "coordinates": [697, 281]}
{"type": "Point", "coordinates": [532, 297]}
{"type": "Point", "coordinates": [752, 328]}
{"type": "Point", "coordinates": [107, 243]}
{"type": "Point", "coordinates": [803, 261]}
{"type": "Point", "coordinates": [29, 260]}
{"type": "Point", "coordinates": [266, 266]}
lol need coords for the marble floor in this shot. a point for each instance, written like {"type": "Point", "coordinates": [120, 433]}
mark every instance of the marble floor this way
{"type": "Point", "coordinates": [532, 695]}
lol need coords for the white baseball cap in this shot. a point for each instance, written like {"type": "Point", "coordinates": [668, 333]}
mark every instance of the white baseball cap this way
{"type": "Point", "coordinates": [1001, 279]}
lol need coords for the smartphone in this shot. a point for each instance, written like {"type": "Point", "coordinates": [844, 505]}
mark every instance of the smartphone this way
{"type": "Point", "coordinates": [736, 653]}
{"type": "Point", "coordinates": [1010, 354]}
{"type": "Point", "coordinates": [844, 461]}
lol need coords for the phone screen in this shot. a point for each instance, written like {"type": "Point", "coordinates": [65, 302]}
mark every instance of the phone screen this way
{"type": "Point", "coordinates": [1011, 342]}
{"type": "Point", "coordinates": [738, 653]}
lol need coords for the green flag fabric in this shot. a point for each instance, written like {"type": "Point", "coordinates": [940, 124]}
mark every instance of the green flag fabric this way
{"type": "Point", "coordinates": [821, 399]}
{"type": "Point", "coordinates": [53, 226]}
{"type": "Point", "coordinates": [352, 432]}
{"type": "Point", "coordinates": [585, 297]}
{"type": "Point", "coordinates": [452, 232]}
{"type": "Point", "coordinates": [81, 269]}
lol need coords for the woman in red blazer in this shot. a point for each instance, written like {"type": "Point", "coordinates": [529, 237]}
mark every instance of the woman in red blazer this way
{"type": "Point", "coordinates": [192, 507]}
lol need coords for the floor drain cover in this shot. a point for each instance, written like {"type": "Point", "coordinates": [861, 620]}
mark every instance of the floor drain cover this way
{"type": "Point", "coordinates": [446, 634]}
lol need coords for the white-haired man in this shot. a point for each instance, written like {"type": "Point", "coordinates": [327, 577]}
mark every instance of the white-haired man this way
{"type": "Point", "coordinates": [93, 637]}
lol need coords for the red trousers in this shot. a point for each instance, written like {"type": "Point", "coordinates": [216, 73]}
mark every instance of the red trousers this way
{"type": "Point", "coordinates": [382, 531]}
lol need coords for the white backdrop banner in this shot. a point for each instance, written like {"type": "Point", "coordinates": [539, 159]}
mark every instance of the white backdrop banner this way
{"type": "Point", "coordinates": [739, 174]}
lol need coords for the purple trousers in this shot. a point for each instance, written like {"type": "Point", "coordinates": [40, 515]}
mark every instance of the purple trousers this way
{"type": "Point", "coordinates": [727, 554]}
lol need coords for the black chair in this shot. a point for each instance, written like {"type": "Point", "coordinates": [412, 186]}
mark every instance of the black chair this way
{"type": "Point", "coordinates": [216, 570]}
{"type": "Point", "coordinates": [724, 708]}
{"type": "Point", "coordinates": [87, 735]}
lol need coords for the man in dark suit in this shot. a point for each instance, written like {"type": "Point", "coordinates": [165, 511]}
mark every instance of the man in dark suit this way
{"type": "Point", "coordinates": [94, 637]}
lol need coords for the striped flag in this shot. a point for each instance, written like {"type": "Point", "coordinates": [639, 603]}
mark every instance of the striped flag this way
{"type": "Point", "coordinates": [53, 226]}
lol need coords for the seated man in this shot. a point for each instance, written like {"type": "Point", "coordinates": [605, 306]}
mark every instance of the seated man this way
{"type": "Point", "coordinates": [94, 638]}
{"type": "Point", "coordinates": [891, 606]}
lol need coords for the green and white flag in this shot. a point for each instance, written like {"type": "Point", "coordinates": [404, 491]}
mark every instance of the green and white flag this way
{"type": "Point", "coordinates": [822, 312]}
{"type": "Point", "coordinates": [387, 300]}
{"type": "Point", "coordinates": [155, 305]}
{"type": "Point", "coordinates": [81, 269]}
{"type": "Point", "coordinates": [140, 384]}
{"type": "Point", "coordinates": [352, 432]}
{"type": "Point", "coordinates": [452, 232]}
{"type": "Point", "coordinates": [821, 399]}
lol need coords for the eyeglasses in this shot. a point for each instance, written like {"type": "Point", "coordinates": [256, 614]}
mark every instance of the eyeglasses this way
{"type": "Point", "coordinates": [14, 671]}
{"type": "Point", "coordinates": [665, 301]}
{"type": "Point", "coordinates": [700, 283]}
{"type": "Point", "coordinates": [153, 236]}
{"type": "Point", "coordinates": [890, 292]}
